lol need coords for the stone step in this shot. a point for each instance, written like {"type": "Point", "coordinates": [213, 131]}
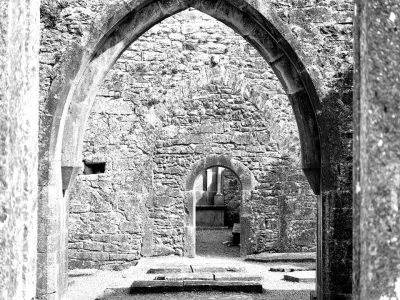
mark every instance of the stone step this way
{"type": "Point", "coordinates": [202, 269]}
{"type": "Point", "coordinates": [193, 269]}
{"type": "Point", "coordinates": [186, 276]}
{"type": "Point", "coordinates": [163, 286]}
{"type": "Point", "coordinates": [287, 269]}
{"type": "Point", "coordinates": [155, 286]}
{"type": "Point", "coordinates": [305, 276]}
{"type": "Point", "coordinates": [169, 270]}
{"type": "Point", "coordinates": [210, 276]}
{"type": "Point", "coordinates": [237, 277]}
{"type": "Point", "coordinates": [222, 286]}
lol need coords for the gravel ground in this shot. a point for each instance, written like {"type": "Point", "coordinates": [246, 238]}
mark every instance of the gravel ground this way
{"type": "Point", "coordinates": [91, 284]}
{"type": "Point", "coordinates": [209, 243]}
{"type": "Point", "coordinates": [268, 295]}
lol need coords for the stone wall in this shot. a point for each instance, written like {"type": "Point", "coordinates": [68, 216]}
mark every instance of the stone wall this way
{"type": "Point", "coordinates": [188, 88]}
{"type": "Point", "coordinates": [19, 99]}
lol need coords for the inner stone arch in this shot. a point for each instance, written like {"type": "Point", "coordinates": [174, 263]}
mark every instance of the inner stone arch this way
{"type": "Point", "coordinates": [196, 194]}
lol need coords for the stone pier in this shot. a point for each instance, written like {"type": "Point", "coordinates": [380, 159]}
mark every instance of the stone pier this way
{"type": "Point", "coordinates": [19, 97]}
{"type": "Point", "coordinates": [376, 230]}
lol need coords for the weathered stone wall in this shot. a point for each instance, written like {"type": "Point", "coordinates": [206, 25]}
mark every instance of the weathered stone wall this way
{"type": "Point", "coordinates": [188, 88]}
{"type": "Point", "coordinates": [19, 99]}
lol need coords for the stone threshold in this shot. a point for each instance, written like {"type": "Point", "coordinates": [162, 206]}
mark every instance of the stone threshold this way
{"type": "Point", "coordinates": [164, 286]}
{"type": "Point", "coordinates": [193, 269]}
{"type": "Point", "coordinates": [209, 276]}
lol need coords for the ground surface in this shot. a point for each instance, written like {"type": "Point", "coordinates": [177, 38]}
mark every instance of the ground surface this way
{"type": "Point", "coordinates": [112, 285]}
{"type": "Point", "coordinates": [209, 243]}
{"type": "Point", "coordinates": [268, 295]}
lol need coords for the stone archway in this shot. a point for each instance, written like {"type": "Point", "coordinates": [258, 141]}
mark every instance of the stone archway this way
{"type": "Point", "coordinates": [248, 184]}
{"type": "Point", "coordinates": [72, 93]}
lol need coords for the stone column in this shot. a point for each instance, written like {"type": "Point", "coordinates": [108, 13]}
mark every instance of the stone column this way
{"type": "Point", "coordinates": [219, 180]}
{"type": "Point", "coordinates": [219, 198]}
{"type": "Point", "coordinates": [19, 96]}
{"type": "Point", "coordinates": [209, 184]}
{"type": "Point", "coordinates": [376, 176]}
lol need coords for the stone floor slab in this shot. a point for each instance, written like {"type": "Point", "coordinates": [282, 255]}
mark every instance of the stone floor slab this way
{"type": "Point", "coordinates": [287, 269]}
{"type": "Point", "coordinates": [190, 276]}
{"type": "Point", "coordinates": [307, 276]}
{"type": "Point", "coordinates": [237, 277]}
{"type": "Point", "coordinates": [228, 286]}
{"type": "Point", "coordinates": [155, 286]}
{"type": "Point", "coordinates": [169, 270]}
{"type": "Point", "coordinates": [202, 269]}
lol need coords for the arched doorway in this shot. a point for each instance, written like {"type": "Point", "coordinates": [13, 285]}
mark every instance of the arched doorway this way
{"type": "Point", "coordinates": [195, 194]}
{"type": "Point", "coordinates": [73, 92]}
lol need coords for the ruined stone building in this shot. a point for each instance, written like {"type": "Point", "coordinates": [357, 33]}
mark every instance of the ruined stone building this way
{"type": "Point", "coordinates": [127, 125]}
{"type": "Point", "coordinates": [189, 93]}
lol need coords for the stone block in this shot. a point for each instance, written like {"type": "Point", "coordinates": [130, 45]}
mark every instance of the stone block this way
{"type": "Point", "coordinates": [190, 240]}
{"type": "Point", "coordinates": [231, 286]}
{"type": "Point", "coordinates": [97, 256]}
{"type": "Point", "coordinates": [110, 248]}
{"type": "Point", "coordinates": [245, 235]}
{"type": "Point", "coordinates": [147, 241]}
{"type": "Point", "coordinates": [230, 269]}
{"type": "Point", "coordinates": [129, 227]}
{"type": "Point", "coordinates": [169, 270]}
{"type": "Point", "coordinates": [287, 269]}
{"type": "Point", "coordinates": [161, 201]}
{"type": "Point", "coordinates": [305, 276]}
{"type": "Point", "coordinates": [155, 286]}
{"type": "Point", "coordinates": [237, 277]}
{"type": "Point", "coordinates": [123, 256]}
{"type": "Point", "coordinates": [162, 250]}
{"type": "Point", "coordinates": [189, 276]}
{"type": "Point", "coordinates": [93, 246]}
{"type": "Point", "coordinates": [243, 138]}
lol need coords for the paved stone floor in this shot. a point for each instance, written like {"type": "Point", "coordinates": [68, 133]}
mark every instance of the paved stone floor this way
{"type": "Point", "coordinates": [91, 284]}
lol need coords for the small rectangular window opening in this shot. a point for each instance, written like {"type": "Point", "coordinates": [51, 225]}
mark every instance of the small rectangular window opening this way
{"type": "Point", "coordinates": [94, 168]}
